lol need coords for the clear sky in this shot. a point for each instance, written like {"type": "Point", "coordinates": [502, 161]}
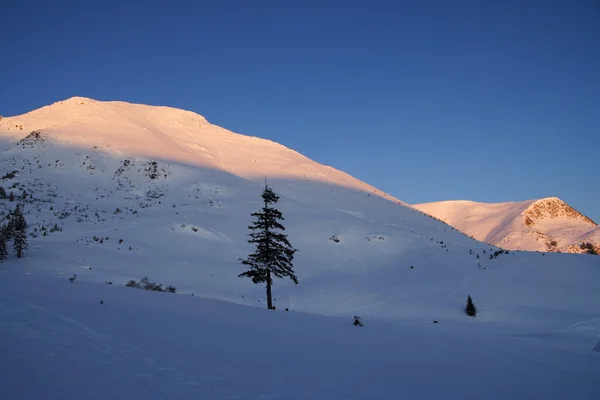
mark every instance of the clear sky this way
{"type": "Point", "coordinates": [426, 100]}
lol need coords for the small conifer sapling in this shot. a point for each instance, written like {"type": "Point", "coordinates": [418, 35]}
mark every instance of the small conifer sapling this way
{"type": "Point", "coordinates": [470, 309]}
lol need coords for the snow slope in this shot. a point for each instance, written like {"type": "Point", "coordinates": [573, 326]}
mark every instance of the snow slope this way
{"type": "Point", "coordinates": [153, 191]}
{"type": "Point", "coordinates": [123, 129]}
{"type": "Point", "coordinates": [58, 342]}
{"type": "Point", "coordinates": [534, 225]}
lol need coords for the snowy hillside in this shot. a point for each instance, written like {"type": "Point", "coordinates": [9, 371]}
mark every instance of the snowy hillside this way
{"type": "Point", "coordinates": [535, 225]}
{"type": "Point", "coordinates": [153, 191]}
{"type": "Point", "coordinates": [115, 191]}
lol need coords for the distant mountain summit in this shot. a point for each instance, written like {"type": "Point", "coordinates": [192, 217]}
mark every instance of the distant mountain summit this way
{"type": "Point", "coordinates": [553, 208]}
{"type": "Point", "coordinates": [547, 224]}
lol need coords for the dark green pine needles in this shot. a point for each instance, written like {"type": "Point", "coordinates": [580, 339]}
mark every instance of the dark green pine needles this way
{"type": "Point", "coordinates": [274, 254]}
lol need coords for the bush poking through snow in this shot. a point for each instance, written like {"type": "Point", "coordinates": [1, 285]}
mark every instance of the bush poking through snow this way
{"type": "Point", "coordinates": [470, 309]}
{"type": "Point", "coordinates": [146, 284]}
{"type": "Point", "coordinates": [588, 248]}
{"type": "Point", "coordinates": [72, 279]}
{"type": "Point", "coordinates": [171, 289]}
{"type": "Point", "coordinates": [357, 321]}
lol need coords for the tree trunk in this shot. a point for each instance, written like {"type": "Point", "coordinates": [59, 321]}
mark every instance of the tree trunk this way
{"type": "Point", "coordinates": [269, 295]}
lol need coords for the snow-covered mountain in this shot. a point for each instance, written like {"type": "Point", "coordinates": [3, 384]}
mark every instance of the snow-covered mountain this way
{"type": "Point", "coordinates": [154, 191]}
{"type": "Point", "coordinates": [535, 225]}
{"type": "Point", "coordinates": [114, 191]}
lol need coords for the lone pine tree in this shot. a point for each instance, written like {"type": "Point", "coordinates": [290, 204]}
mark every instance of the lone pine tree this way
{"type": "Point", "coordinates": [274, 254]}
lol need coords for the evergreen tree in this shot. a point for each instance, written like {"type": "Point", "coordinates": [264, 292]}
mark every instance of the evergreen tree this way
{"type": "Point", "coordinates": [2, 193]}
{"type": "Point", "coordinates": [470, 309]}
{"type": "Point", "coordinates": [9, 228]}
{"type": "Point", "coordinates": [274, 253]}
{"type": "Point", "coordinates": [20, 243]}
{"type": "Point", "coordinates": [20, 224]}
{"type": "Point", "coordinates": [3, 240]}
{"type": "Point", "coordinates": [11, 196]}
{"type": "Point", "coordinates": [16, 229]}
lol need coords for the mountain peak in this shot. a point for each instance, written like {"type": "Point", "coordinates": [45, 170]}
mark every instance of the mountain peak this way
{"type": "Point", "coordinates": [553, 208]}
{"type": "Point", "coordinates": [547, 224]}
{"type": "Point", "coordinates": [172, 135]}
{"type": "Point", "coordinates": [79, 99]}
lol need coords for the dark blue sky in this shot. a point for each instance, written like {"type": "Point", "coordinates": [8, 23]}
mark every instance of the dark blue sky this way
{"type": "Point", "coordinates": [426, 100]}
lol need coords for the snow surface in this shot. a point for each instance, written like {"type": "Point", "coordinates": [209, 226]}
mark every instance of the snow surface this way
{"type": "Point", "coordinates": [58, 342]}
{"type": "Point", "coordinates": [505, 224]}
{"type": "Point", "coordinates": [159, 192]}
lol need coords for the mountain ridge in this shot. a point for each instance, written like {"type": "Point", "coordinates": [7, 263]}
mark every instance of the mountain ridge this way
{"type": "Point", "coordinates": [109, 123]}
{"type": "Point", "coordinates": [547, 224]}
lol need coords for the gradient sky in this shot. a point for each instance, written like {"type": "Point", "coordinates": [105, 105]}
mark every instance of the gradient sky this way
{"type": "Point", "coordinates": [426, 100]}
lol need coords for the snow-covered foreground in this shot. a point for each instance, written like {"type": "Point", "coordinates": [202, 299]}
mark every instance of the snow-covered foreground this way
{"type": "Point", "coordinates": [58, 341]}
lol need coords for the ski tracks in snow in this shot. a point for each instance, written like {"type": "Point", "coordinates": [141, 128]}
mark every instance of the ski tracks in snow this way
{"type": "Point", "coordinates": [579, 323]}
{"type": "Point", "coordinates": [462, 285]}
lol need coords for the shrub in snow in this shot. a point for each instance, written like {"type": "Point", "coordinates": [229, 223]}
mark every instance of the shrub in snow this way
{"type": "Point", "coordinates": [72, 279]}
{"type": "Point", "coordinates": [357, 321]}
{"type": "Point", "coordinates": [10, 175]}
{"type": "Point", "coordinates": [470, 309]}
{"type": "Point", "coordinates": [146, 284]}
{"type": "Point", "coordinates": [589, 248]}
{"type": "Point", "coordinates": [134, 284]}
{"type": "Point", "coordinates": [171, 289]}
